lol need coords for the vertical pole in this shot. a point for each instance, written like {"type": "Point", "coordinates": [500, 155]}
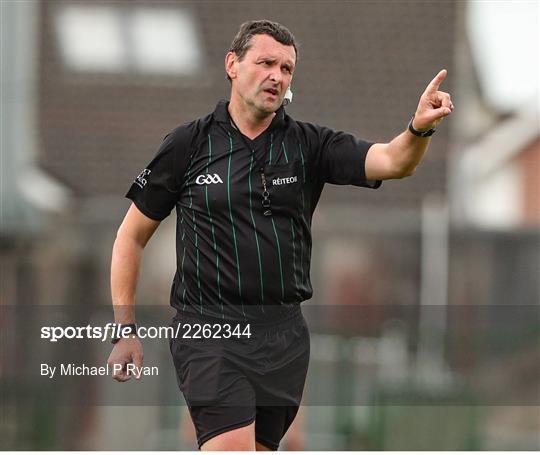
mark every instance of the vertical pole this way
{"type": "Point", "coordinates": [433, 290]}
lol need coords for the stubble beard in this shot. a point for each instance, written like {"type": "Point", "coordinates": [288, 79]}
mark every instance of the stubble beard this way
{"type": "Point", "coordinates": [264, 108]}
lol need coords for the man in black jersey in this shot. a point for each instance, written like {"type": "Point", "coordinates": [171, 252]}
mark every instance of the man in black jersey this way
{"type": "Point", "coordinates": [245, 181]}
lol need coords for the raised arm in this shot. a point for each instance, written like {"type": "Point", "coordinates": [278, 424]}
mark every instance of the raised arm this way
{"type": "Point", "coordinates": [400, 157]}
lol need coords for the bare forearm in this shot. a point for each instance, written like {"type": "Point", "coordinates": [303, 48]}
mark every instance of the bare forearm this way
{"type": "Point", "coordinates": [407, 150]}
{"type": "Point", "coordinates": [125, 265]}
{"type": "Point", "coordinates": [132, 237]}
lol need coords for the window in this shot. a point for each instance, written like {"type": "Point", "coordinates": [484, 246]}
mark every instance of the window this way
{"type": "Point", "coordinates": [164, 41]}
{"type": "Point", "coordinates": [91, 39]}
{"type": "Point", "coordinates": [147, 40]}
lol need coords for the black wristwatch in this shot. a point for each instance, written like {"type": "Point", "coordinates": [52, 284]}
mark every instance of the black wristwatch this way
{"type": "Point", "coordinates": [123, 330]}
{"type": "Point", "coordinates": [420, 133]}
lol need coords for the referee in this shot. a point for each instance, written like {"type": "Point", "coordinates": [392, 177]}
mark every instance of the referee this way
{"type": "Point", "coordinates": [245, 181]}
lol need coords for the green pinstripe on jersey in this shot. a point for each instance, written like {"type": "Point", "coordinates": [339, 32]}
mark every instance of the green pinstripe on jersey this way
{"type": "Point", "coordinates": [303, 206]}
{"type": "Point", "coordinates": [183, 226]}
{"type": "Point", "coordinates": [293, 252]}
{"type": "Point", "coordinates": [302, 158]}
{"type": "Point", "coordinates": [196, 248]}
{"type": "Point", "coordinates": [212, 225]}
{"type": "Point", "coordinates": [183, 255]}
{"type": "Point", "coordinates": [271, 148]}
{"type": "Point", "coordinates": [279, 260]}
{"type": "Point", "coordinates": [292, 222]}
{"type": "Point", "coordinates": [232, 223]}
{"type": "Point", "coordinates": [285, 151]}
{"type": "Point", "coordinates": [255, 231]}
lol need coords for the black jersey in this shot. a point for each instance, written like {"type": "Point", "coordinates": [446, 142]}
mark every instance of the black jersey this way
{"type": "Point", "coordinates": [244, 208]}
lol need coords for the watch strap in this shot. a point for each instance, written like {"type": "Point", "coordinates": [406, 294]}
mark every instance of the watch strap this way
{"type": "Point", "coordinates": [122, 331]}
{"type": "Point", "coordinates": [419, 133]}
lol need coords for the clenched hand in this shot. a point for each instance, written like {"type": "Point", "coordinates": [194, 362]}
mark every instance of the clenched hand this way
{"type": "Point", "coordinates": [127, 350]}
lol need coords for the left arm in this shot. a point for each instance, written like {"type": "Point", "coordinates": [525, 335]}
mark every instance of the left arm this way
{"type": "Point", "coordinates": [400, 157]}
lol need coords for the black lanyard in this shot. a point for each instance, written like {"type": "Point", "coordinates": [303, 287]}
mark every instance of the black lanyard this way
{"type": "Point", "coordinates": [267, 211]}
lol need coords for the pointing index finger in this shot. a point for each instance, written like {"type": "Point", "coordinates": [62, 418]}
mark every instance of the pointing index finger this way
{"type": "Point", "coordinates": [436, 82]}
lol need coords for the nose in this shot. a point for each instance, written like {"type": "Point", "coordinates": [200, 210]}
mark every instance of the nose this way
{"type": "Point", "coordinates": [275, 76]}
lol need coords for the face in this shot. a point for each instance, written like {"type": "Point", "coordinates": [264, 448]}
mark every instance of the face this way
{"type": "Point", "coordinates": [261, 79]}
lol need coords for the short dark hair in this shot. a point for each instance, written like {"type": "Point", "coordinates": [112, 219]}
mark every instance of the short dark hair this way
{"type": "Point", "coordinates": [242, 41]}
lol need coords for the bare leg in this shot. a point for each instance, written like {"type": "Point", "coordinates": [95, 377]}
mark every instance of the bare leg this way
{"type": "Point", "coordinates": [238, 439]}
{"type": "Point", "coordinates": [260, 447]}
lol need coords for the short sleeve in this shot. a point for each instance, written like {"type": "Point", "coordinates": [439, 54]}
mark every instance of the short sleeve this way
{"type": "Point", "coordinates": [342, 158]}
{"type": "Point", "coordinates": [155, 190]}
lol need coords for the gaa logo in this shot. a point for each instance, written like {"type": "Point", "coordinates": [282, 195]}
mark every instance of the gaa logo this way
{"type": "Point", "coordinates": [208, 179]}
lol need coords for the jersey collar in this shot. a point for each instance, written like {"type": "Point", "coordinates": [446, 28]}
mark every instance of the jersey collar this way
{"type": "Point", "coordinates": [221, 114]}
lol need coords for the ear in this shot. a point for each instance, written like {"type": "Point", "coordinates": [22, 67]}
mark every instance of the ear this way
{"type": "Point", "coordinates": [231, 61]}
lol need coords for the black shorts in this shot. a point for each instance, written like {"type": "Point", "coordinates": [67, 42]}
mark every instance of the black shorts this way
{"type": "Point", "coordinates": [230, 383]}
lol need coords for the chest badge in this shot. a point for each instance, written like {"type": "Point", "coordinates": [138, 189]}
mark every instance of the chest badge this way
{"type": "Point", "coordinates": [207, 179]}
